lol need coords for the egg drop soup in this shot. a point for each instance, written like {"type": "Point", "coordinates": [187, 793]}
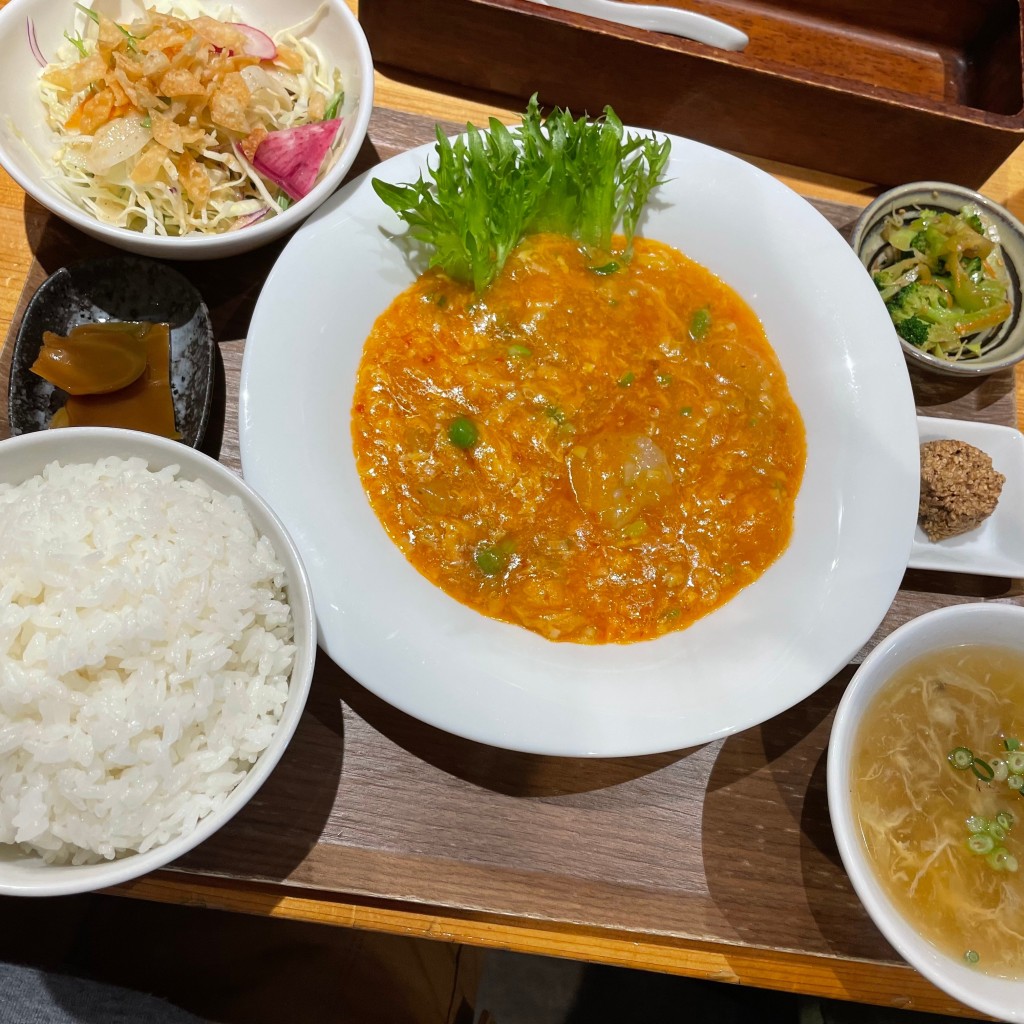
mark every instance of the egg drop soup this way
{"type": "Point", "coordinates": [947, 842]}
{"type": "Point", "coordinates": [599, 450]}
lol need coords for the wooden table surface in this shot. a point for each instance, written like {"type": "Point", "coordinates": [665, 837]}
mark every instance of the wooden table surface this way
{"type": "Point", "coordinates": [375, 821]}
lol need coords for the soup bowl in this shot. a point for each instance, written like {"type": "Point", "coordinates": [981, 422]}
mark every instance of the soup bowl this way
{"type": "Point", "coordinates": [993, 624]}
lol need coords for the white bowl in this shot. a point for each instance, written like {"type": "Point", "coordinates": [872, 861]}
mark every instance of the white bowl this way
{"type": "Point", "coordinates": [993, 623]}
{"type": "Point", "coordinates": [770, 646]}
{"type": "Point", "coordinates": [27, 143]}
{"type": "Point", "coordinates": [26, 456]}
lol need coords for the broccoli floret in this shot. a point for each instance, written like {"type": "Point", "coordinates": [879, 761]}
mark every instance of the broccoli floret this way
{"type": "Point", "coordinates": [921, 315]}
{"type": "Point", "coordinates": [919, 242]}
{"type": "Point", "coordinates": [927, 301]}
{"type": "Point", "coordinates": [973, 268]}
{"type": "Point", "coordinates": [913, 329]}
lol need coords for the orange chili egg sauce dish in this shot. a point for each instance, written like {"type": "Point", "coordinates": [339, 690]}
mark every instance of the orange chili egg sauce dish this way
{"type": "Point", "coordinates": [577, 488]}
{"type": "Point", "coordinates": [597, 447]}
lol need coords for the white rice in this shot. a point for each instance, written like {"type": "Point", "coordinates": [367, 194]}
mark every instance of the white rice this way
{"type": "Point", "coordinates": [145, 653]}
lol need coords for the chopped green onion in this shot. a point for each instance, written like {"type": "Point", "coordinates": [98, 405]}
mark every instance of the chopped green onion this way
{"type": "Point", "coordinates": [88, 11]}
{"type": "Point", "coordinates": [961, 758]}
{"type": "Point", "coordinates": [519, 352]}
{"type": "Point", "coordinates": [1004, 819]}
{"type": "Point", "coordinates": [1015, 761]}
{"type": "Point", "coordinates": [554, 413]}
{"type": "Point", "coordinates": [996, 832]}
{"type": "Point", "coordinates": [605, 268]}
{"type": "Point", "coordinates": [971, 956]}
{"type": "Point", "coordinates": [78, 43]}
{"type": "Point", "coordinates": [462, 432]}
{"type": "Point", "coordinates": [1011, 743]}
{"type": "Point", "coordinates": [1016, 782]}
{"type": "Point", "coordinates": [982, 769]}
{"type": "Point", "coordinates": [284, 200]}
{"type": "Point", "coordinates": [1002, 860]}
{"type": "Point", "coordinates": [976, 823]}
{"type": "Point", "coordinates": [664, 379]}
{"type": "Point", "coordinates": [488, 561]}
{"type": "Point", "coordinates": [1000, 768]}
{"type": "Point", "coordinates": [334, 106]}
{"type": "Point", "coordinates": [626, 379]}
{"type": "Point", "coordinates": [981, 843]}
{"type": "Point", "coordinates": [492, 559]}
{"type": "Point", "coordinates": [699, 323]}
{"type": "Point", "coordinates": [147, 122]}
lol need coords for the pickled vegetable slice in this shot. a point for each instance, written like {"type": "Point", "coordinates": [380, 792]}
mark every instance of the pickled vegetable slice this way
{"type": "Point", "coordinates": [94, 359]}
{"type": "Point", "coordinates": [145, 404]}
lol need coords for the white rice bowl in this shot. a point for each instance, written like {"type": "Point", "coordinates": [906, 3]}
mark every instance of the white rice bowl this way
{"type": "Point", "coordinates": [156, 648]}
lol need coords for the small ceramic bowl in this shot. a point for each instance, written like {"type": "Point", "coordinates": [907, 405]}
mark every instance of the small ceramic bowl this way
{"type": "Point", "coordinates": [1002, 346]}
{"type": "Point", "coordinates": [21, 458]}
{"type": "Point", "coordinates": [995, 624]}
{"type": "Point", "coordinates": [27, 144]}
{"type": "Point", "coordinates": [122, 288]}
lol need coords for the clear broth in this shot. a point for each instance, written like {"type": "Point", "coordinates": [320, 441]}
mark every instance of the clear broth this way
{"type": "Point", "coordinates": [912, 805]}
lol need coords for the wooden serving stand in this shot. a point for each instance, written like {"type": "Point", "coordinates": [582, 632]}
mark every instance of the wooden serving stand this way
{"type": "Point", "coordinates": [716, 862]}
{"type": "Point", "coordinates": [869, 89]}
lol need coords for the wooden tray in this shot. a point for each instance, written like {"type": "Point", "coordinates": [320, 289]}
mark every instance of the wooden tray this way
{"type": "Point", "coordinates": [727, 847]}
{"type": "Point", "coordinates": [869, 89]}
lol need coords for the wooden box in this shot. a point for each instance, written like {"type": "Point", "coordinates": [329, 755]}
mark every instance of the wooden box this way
{"type": "Point", "coordinates": [873, 90]}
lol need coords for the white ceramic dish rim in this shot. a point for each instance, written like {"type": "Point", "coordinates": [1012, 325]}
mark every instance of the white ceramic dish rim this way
{"type": "Point", "coordinates": [16, 155]}
{"type": "Point", "coordinates": [24, 875]}
{"type": "Point", "coordinates": [496, 683]}
{"type": "Point", "coordinates": [993, 622]}
{"type": "Point", "coordinates": [988, 550]}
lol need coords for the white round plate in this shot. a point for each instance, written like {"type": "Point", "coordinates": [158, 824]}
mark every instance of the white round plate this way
{"type": "Point", "coordinates": [768, 648]}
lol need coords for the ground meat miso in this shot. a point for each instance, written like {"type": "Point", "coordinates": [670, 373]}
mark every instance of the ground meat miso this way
{"type": "Point", "coordinates": [959, 488]}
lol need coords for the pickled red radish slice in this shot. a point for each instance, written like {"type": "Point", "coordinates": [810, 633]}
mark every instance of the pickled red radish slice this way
{"type": "Point", "coordinates": [258, 44]}
{"type": "Point", "coordinates": [292, 157]}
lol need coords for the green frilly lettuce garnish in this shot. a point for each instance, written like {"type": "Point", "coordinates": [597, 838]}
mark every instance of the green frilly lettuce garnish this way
{"type": "Point", "coordinates": [579, 177]}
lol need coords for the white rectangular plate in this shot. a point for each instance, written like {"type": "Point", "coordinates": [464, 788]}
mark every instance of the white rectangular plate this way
{"type": "Point", "coordinates": [996, 548]}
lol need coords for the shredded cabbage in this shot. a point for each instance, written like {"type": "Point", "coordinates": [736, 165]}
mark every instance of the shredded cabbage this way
{"type": "Point", "coordinates": [158, 118]}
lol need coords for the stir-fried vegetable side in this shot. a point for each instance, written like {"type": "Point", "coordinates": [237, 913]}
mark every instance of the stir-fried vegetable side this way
{"type": "Point", "coordinates": [182, 122]}
{"type": "Point", "coordinates": [575, 177]}
{"type": "Point", "coordinates": [947, 283]}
